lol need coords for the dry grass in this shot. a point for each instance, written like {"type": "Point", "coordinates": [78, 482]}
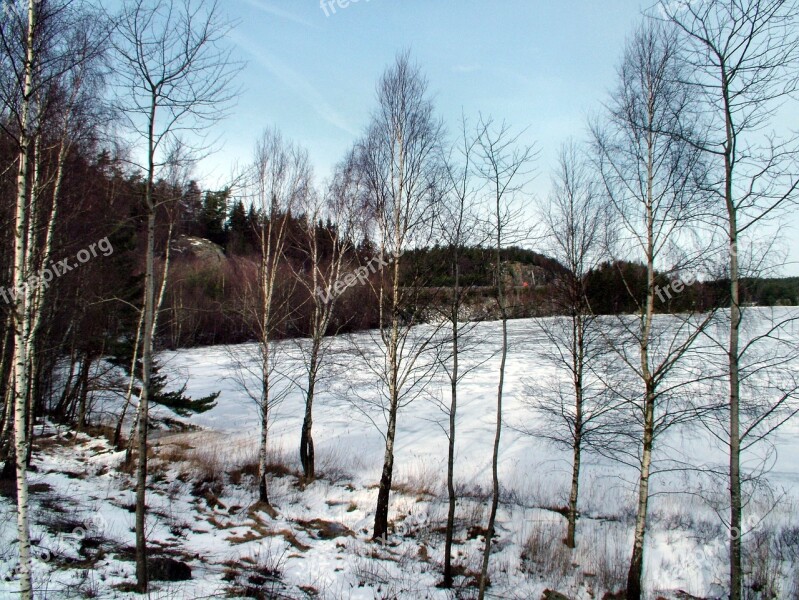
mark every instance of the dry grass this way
{"type": "Point", "coordinates": [543, 553]}
{"type": "Point", "coordinates": [259, 575]}
{"type": "Point", "coordinates": [210, 461]}
{"type": "Point", "coordinates": [336, 466]}
{"type": "Point", "coordinates": [766, 551]}
{"type": "Point", "coordinates": [421, 480]}
{"type": "Point", "coordinates": [599, 563]}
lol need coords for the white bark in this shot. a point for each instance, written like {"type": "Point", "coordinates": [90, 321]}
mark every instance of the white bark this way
{"type": "Point", "coordinates": [22, 319]}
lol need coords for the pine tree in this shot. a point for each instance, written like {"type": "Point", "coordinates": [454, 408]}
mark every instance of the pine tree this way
{"type": "Point", "coordinates": [214, 216]}
{"type": "Point", "coordinates": [191, 210]}
{"type": "Point", "coordinates": [177, 401]}
{"type": "Point", "coordinates": [237, 230]}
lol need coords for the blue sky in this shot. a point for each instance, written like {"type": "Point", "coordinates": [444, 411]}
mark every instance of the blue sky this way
{"type": "Point", "coordinates": [541, 65]}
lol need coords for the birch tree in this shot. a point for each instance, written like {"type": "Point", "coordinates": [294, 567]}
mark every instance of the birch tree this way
{"type": "Point", "coordinates": [504, 163]}
{"type": "Point", "coordinates": [400, 159]}
{"type": "Point", "coordinates": [572, 411]}
{"type": "Point", "coordinates": [19, 308]}
{"type": "Point", "coordinates": [281, 184]}
{"type": "Point", "coordinates": [328, 250]}
{"type": "Point", "coordinates": [648, 177]}
{"type": "Point", "coordinates": [457, 226]}
{"type": "Point", "coordinates": [47, 48]}
{"type": "Point", "coordinates": [742, 58]}
{"type": "Point", "coordinates": [174, 73]}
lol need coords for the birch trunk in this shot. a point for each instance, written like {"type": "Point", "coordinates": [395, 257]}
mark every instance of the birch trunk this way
{"type": "Point", "coordinates": [635, 571]}
{"type": "Point", "coordinates": [384, 493]}
{"type": "Point", "coordinates": [158, 303]}
{"type": "Point", "coordinates": [21, 320]}
{"type": "Point", "coordinates": [307, 456]}
{"type": "Point", "coordinates": [147, 363]}
{"type": "Point", "coordinates": [498, 432]}
{"type": "Point", "coordinates": [386, 477]}
{"type": "Point", "coordinates": [453, 407]}
{"type": "Point", "coordinates": [733, 354]}
{"type": "Point", "coordinates": [578, 354]}
{"type": "Point", "coordinates": [129, 391]}
{"type": "Point", "coordinates": [263, 490]}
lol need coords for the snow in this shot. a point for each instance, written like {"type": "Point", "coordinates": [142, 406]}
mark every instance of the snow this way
{"type": "Point", "coordinates": [225, 539]}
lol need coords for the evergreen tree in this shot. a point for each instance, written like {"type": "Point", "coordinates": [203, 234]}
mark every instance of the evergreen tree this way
{"type": "Point", "coordinates": [237, 230]}
{"type": "Point", "coordinates": [177, 401]}
{"type": "Point", "coordinates": [214, 216]}
{"type": "Point", "coordinates": [191, 210]}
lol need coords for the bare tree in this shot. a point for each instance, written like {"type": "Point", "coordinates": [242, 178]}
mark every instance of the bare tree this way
{"type": "Point", "coordinates": [573, 412]}
{"type": "Point", "coordinates": [281, 184]}
{"type": "Point", "coordinates": [329, 250]}
{"type": "Point", "coordinates": [176, 169]}
{"type": "Point", "coordinates": [743, 60]}
{"type": "Point", "coordinates": [49, 48]}
{"type": "Point", "coordinates": [457, 226]}
{"type": "Point", "coordinates": [20, 305]}
{"type": "Point", "coordinates": [400, 159]}
{"type": "Point", "coordinates": [504, 163]}
{"type": "Point", "coordinates": [648, 177]}
{"type": "Point", "coordinates": [174, 74]}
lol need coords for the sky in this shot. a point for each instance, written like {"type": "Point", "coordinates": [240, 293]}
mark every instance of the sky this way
{"type": "Point", "coordinates": [311, 68]}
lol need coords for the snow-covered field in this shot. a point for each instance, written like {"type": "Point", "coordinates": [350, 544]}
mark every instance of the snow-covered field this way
{"type": "Point", "coordinates": [317, 545]}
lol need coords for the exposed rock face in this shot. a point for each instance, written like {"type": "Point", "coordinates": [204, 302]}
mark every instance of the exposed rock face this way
{"type": "Point", "coordinates": [187, 246]}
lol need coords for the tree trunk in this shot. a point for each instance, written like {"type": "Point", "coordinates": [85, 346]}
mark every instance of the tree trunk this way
{"type": "Point", "coordinates": [263, 490]}
{"type": "Point", "coordinates": [142, 581]}
{"type": "Point", "coordinates": [83, 386]}
{"type": "Point", "coordinates": [6, 360]}
{"type": "Point", "coordinates": [306, 438]}
{"type": "Point", "coordinates": [453, 407]}
{"type": "Point", "coordinates": [60, 409]}
{"type": "Point", "coordinates": [635, 573]}
{"type": "Point", "coordinates": [267, 289]}
{"type": "Point", "coordinates": [384, 493]}
{"type": "Point", "coordinates": [736, 568]}
{"type": "Point", "coordinates": [736, 578]}
{"type": "Point", "coordinates": [571, 530]}
{"type": "Point", "coordinates": [147, 366]}
{"type": "Point", "coordinates": [131, 383]}
{"type": "Point", "coordinates": [8, 425]}
{"type": "Point", "coordinates": [578, 354]}
{"type": "Point", "coordinates": [22, 322]}
{"type": "Point", "coordinates": [21, 453]}
{"type": "Point", "coordinates": [498, 433]}
{"type": "Point", "coordinates": [6, 433]}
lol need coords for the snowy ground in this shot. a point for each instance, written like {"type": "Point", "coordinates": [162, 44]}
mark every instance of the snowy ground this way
{"type": "Point", "coordinates": [317, 545]}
